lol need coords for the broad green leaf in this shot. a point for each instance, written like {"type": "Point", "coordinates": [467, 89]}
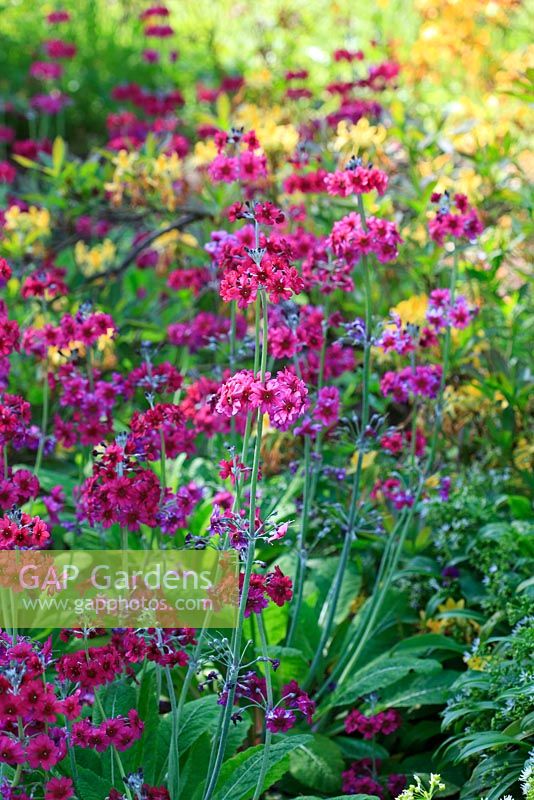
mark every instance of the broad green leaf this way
{"type": "Point", "coordinates": [340, 797]}
{"type": "Point", "coordinates": [434, 689]}
{"type": "Point", "coordinates": [198, 717]}
{"type": "Point", "coordinates": [378, 674]}
{"type": "Point", "coordinates": [117, 700]}
{"type": "Point", "coordinates": [239, 775]}
{"type": "Point", "coordinates": [148, 709]}
{"type": "Point", "coordinates": [318, 764]}
{"type": "Point", "coordinates": [425, 642]}
{"type": "Point", "coordinates": [91, 786]}
{"type": "Point", "coordinates": [360, 748]}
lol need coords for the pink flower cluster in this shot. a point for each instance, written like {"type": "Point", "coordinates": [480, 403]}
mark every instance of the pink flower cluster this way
{"type": "Point", "coordinates": [96, 667]}
{"type": "Point", "coordinates": [306, 183]}
{"type": "Point", "coordinates": [286, 340]}
{"type": "Point", "coordinates": [121, 491]}
{"type": "Point", "coordinates": [118, 732]}
{"type": "Point", "coordinates": [57, 48]}
{"type": "Point", "coordinates": [152, 103]}
{"type": "Point", "coordinates": [198, 407]}
{"type": "Point", "coordinates": [281, 719]}
{"type": "Point", "coordinates": [15, 416]}
{"type": "Point", "coordinates": [418, 381]}
{"type": "Point", "coordinates": [385, 722]}
{"type": "Point", "coordinates": [9, 332]}
{"type": "Point", "coordinates": [21, 531]}
{"type": "Point", "coordinates": [85, 328]}
{"type": "Point", "coordinates": [247, 269]}
{"type": "Point", "coordinates": [17, 488]}
{"type": "Point", "coordinates": [464, 224]}
{"type": "Point", "coordinates": [349, 240]}
{"type": "Point", "coordinates": [356, 179]}
{"type": "Point", "coordinates": [441, 312]}
{"type": "Point", "coordinates": [274, 585]}
{"type": "Point", "coordinates": [284, 397]}
{"type": "Point", "coordinates": [8, 173]}
{"type": "Point", "coordinates": [391, 489]}
{"type": "Point", "coordinates": [46, 70]}
{"type": "Point", "coordinates": [264, 213]}
{"type": "Point", "coordinates": [238, 158]}
{"type": "Point", "coordinates": [48, 282]}
{"type": "Point", "coordinates": [360, 779]}
{"type": "Point", "coordinates": [397, 441]}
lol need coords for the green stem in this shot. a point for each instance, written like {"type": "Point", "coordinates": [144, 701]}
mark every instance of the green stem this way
{"type": "Point", "coordinates": [163, 465]}
{"type": "Point", "coordinates": [44, 424]}
{"type": "Point", "coordinates": [446, 361]}
{"type": "Point", "coordinates": [301, 551]}
{"type": "Point", "coordinates": [72, 758]}
{"type": "Point", "coordinates": [233, 669]}
{"type": "Point", "coordinates": [376, 607]}
{"type": "Point", "coordinates": [268, 734]}
{"type": "Point", "coordinates": [117, 757]}
{"type": "Point", "coordinates": [392, 554]}
{"type": "Point", "coordinates": [173, 779]}
{"type": "Point", "coordinates": [333, 596]}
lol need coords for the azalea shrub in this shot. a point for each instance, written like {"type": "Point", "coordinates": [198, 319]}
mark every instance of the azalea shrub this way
{"type": "Point", "coordinates": [264, 289]}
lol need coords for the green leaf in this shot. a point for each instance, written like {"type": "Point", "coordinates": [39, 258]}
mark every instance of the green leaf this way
{"type": "Point", "coordinates": [117, 700]}
{"type": "Point", "coordinates": [318, 764]}
{"type": "Point", "coordinates": [485, 740]}
{"type": "Point", "coordinates": [426, 642]}
{"type": "Point", "coordinates": [360, 748]}
{"type": "Point", "coordinates": [340, 797]}
{"type": "Point", "coordinates": [148, 708]}
{"type": "Point", "coordinates": [91, 786]}
{"type": "Point", "coordinates": [380, 673]}
{"type": "Point", "coordinates": [239, 775]}
{"type": "Point", "coordinates": [426, 690]}
{"type": "Point", "coordinates": [198, 717]}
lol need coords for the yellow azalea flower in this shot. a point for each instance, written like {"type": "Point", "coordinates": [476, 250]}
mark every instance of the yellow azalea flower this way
{"type": "Point", "coordinates": [412, 311]}
{"type": "Point", "coordinates": [360, 136]}
{"type": "Point", "coordinates": [94, 260]}
{"type": "Point", "coordinates": [466, 181]}
{"type": "Point", "coordinates": [271, 129]}
{"type": "Point", "coordinates": [125, 159]}
{"type": "Point", "coordinates": [367, 460]}
{"type": "Point", "coordinates": [167, 166]}
{"type": "Point", "coordinates": [260, 78]}
{"type": "Point", "coordinates": [12, 216]}
{"type": "Point", "coordinates": [204, 153]}
{"type": "Point", "coordinates": [477, 663]}
{"type": "Point", "coordinates": [35, 221]}
{"type": "Point", "coordinates": [452, 605]}
{"type": "Point", "coordinates": [105, 340]}
{"type": "Point", "coordinates": [58, 355]}
{"type": "Point", "coordinates": [166, 239]}
{"type": "Point", "coordinates": [187, 239]}
{"type": "Point", "coordinates": [436, 625]}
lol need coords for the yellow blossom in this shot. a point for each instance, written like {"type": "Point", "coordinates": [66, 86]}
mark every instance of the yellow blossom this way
{"type": "Point", "coordinates": [412, 311]}
{"type": "Point", "coordinates": [96, 259]}
{"type": "Point", "coordinates": [360, 136]}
